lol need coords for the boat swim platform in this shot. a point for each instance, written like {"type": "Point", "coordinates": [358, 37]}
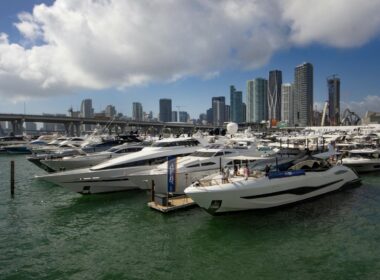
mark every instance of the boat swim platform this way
{"type": "Point", "coordinates": [173, 204]}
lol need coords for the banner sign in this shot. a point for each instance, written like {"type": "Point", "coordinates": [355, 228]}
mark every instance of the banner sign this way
{"type": "Point", "coordinates": [172, 169]}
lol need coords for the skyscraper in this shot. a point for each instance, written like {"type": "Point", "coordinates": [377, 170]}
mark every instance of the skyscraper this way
{"type": "Point", "coordinates": [137, 111]}
{"type": "Point", "coordinates": [209, 116]}
{"type": "Point", "coordinates": [227, 113]}
{"type": "Point", "coordinates": [333, 84]}
{"type": "Point", "coordinates": [174, 116]}
{"type": "Point", "coordinates": [86, 111]}
{"type": "Point", "coordinates": [183, 116]}
{"type": "Point", "coordinates": [236, 101]}
{"type": "Point", "coordinates": [110, 111]}
{"type": "Point", "coordinates": [287, 96]}
{"type": "Point", "coordinates": [303, 95]}
{"type": "Point", "coordinates": [257, 105]}
{"type": "Point", "coordinates": [165, 110]}
{"type": "Point", "coordinates": [218, 110]}
{"type": "Point", "coordinates": [274, 95]}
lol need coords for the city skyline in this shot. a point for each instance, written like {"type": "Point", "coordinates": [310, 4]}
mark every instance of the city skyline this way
{"type": "Point", "coordinates": [33, 87]}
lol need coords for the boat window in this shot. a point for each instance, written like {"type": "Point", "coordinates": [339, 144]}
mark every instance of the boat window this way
{"type": "Point", "coordinates": [193, 165]}
{"type": "Point", "coordinates": [227, 152]}
{"type": "Point", "coordinates": [218, 154]}
{"type": "Point", "coordinates": [208, 163]}
{"type": "Point", "coordinates": [202, 154]}
{"type": "Point", "coordinates": [192, 142]}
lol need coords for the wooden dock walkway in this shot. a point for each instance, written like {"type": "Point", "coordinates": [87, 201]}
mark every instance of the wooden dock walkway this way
{"type": "Point", "coordinates": [174, 203]}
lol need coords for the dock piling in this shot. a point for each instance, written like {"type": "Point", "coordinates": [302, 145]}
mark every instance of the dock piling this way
{"type": "Point", "coordinates": [12, 178]}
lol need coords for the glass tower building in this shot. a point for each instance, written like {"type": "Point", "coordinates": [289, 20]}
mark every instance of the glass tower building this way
{"type": "Point", "coordinates": [333, 84]}
{"type": "Point", "coordinates": [303, 95]}
{"type": "Point", "coordinates": [274, 95]}
{"type": "Point", "coordinates": [165, 110]}
{"type": "Point", "coordinates": [257, 105]}
{"type": "Point", "coordinates": [218, 110]}
{"type": "Point", "coordinates": [287, 100]}
{"type": "Point", "coordinates": [236, 101]}
{"type": "Point", "coordinates": [137, 111]}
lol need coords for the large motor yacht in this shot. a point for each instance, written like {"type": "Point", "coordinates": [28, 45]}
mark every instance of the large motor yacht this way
{"type": "Point", "coordinates": [197, 165]}
{"type": "Point", "coordinates": [113, 175]}
{"type": "Point", "coordinates": [364, 160]}
{"type": "Point", "coordinates": [305, 178]}
{"type": "Point", "coordinates": [88, 160]}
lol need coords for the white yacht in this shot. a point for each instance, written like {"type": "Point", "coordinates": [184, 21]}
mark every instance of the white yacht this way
{"type": "Point", "coordinates": [197, 165]}
{"type": "Point", "coordinates": [113, 175]}
{"type": "Point", "coordinates": [306, 178]}
{"type": "Point", "coordinates": [88, 160]}
{"type": "Point", "coordinates": [364, 160]}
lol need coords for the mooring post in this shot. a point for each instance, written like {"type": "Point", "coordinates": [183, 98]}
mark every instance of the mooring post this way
{"type": "Point", "coordinates": [12, 178]}
{"type": "Point", "coordinates": [152, 191]}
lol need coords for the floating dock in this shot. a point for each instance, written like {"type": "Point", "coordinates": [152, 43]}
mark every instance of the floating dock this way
{"type": "Point", "coordinates": [173, 203]}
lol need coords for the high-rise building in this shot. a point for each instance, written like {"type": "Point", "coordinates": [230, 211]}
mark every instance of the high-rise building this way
{"type": "Point", "coordinates": [257, 105]}
{"type": "Point", "coordinates": [227, 113]}
{"type": "Point", "coordinates": [165, 110]}
{"type": "Point", "coordinates": [174, 116]}
{"type": "Point", "coordinates": [274, 95]}
{"type": "Point", "coordinates": [303, 95]}
{"type": "Point", "coordinates": [333, 85]}
{"type": "Point", "coordinates": [86, 111]}
{"type": "Point", "coordinates": [236, 101]}
{"type": "Point", "coordinates": [202, 118]}
{"type": "Point", "coordinates": [287, 96]}
{"type": "Point", "coordinates": [137, 111]}
{"type": "Point", "coordinates": [218, 110]}
{"type": "Point", "coordinates": [210, 116]}
{"type": "Point", "coordinates": [110, 111]}
{"type": "Point", "coordinates": [244, 112]}
{"type": "Point", "coordinates": [183, 116]}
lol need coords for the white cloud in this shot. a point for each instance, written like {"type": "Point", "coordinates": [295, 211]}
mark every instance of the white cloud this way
{"type": "Point", "coordinates": [369, 103]}
{"type": "Point", "coordinates": [96, 44]}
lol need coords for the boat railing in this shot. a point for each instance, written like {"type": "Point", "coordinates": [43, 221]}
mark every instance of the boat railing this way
{"type": "Point", "coordinates": [231, 179]}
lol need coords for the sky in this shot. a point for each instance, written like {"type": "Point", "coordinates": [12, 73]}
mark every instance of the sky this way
{"type": "Point", "coordinates": [55, 53]}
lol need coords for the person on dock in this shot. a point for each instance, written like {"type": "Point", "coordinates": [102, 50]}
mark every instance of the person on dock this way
{"type": "Point", "coordinates": [267, 168]}
{"type": "Point", "coordinates": [227, 174]}
{"type": "Point", "coordinates": [246, 172]}
{"type": "Point", "coordinates": [236, 170]}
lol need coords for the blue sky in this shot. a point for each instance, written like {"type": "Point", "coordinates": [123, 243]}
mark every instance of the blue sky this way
{"type": "Point", "coordinates": [54, 56]}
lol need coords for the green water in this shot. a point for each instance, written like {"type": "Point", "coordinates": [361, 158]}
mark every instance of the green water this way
{"type": "Point", "coordinates": [47, 232]}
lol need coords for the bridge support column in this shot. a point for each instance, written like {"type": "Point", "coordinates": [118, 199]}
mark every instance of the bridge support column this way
{"type": "Point", "coordinates": [17, 127]}
{"type": "Point", "coordinates": [77, 129]}
{"type": "Point", "coordinates": [69, 129]}
{"type": "Point", "coordinates": [123, 128]}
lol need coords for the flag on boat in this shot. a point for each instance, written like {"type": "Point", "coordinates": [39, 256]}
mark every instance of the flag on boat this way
{"type": "Point", "coordinates": [172, 170]}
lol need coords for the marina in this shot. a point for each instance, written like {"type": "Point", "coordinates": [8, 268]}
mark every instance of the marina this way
{"type": "Point", "coordinates": [47, 232]}
{"type": "Point", "coordinates": [54, 232]}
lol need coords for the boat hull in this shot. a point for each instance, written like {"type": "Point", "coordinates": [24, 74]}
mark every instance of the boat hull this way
{"type": "Point", "coordinates": [262, 193]}
{"type": "Point", "coordinates": [85, 181]}
{"type": "Point", "coordinates": [363, 165]}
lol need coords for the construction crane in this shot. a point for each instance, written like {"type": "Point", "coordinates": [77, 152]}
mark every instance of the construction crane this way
{"type": "Point", "coordinates": [324, 112]}
{"type": "Point", "coordinates": [179, 107]}
{"type": "Point", "coordinates": [350, 118]}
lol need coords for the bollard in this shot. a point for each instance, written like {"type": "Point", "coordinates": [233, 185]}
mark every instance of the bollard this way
{"type": "Point", "coordinates": [12, 178]}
